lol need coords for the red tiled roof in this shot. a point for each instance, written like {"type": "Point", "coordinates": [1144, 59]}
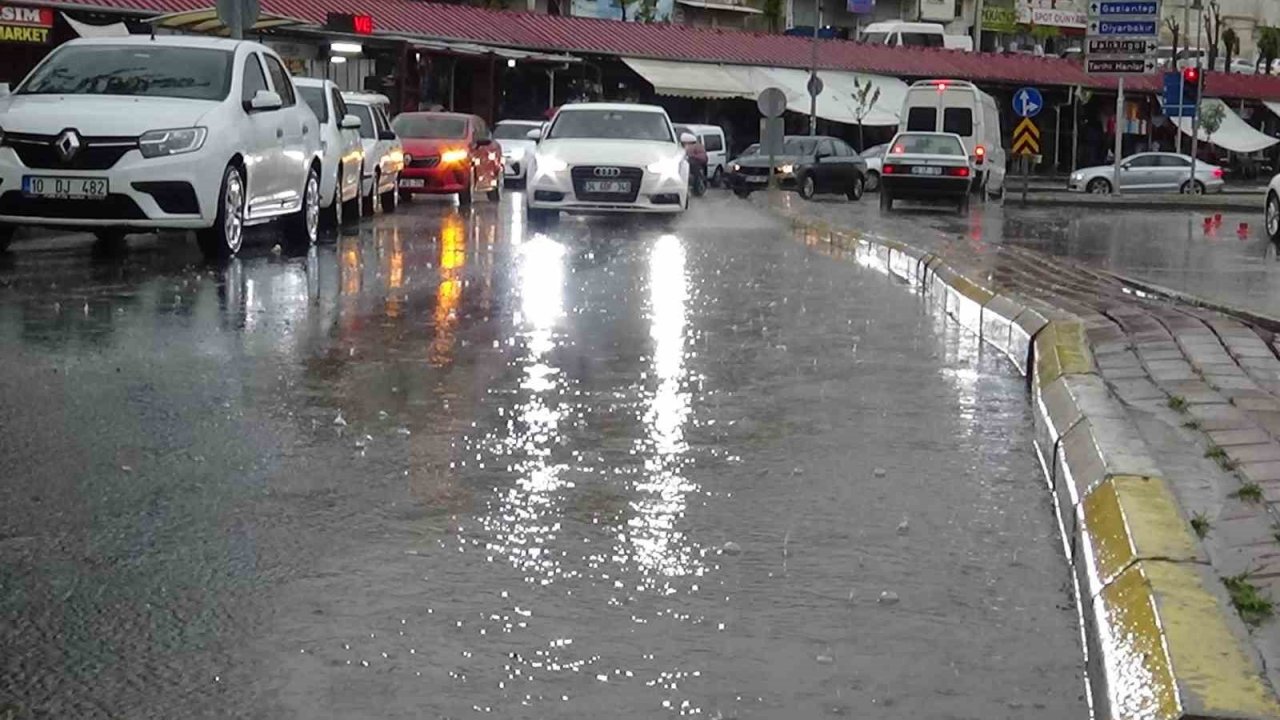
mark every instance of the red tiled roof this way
{"type": "Point", "coordinates": [676, 42]}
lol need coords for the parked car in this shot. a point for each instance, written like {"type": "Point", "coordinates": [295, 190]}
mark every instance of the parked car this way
{"type": "Point", "coordinates": [383, 153]}
{"type": "Point", "coordinates": [873, 157]}
{"type": "Point", "coordinates": [448, 153]}
{"type": "Point", "coordinates": [897, 33]}
{"type": "Point", "coordinates": [135, 134]}
{"type": "Point", "coordinates": [809, 165]}
{"type": "Point", "coordinates": [1271, 211]}
{"type": "Point", "coordinates": [1149, 172]}
{"type": "Point", "coordinates": [606, 158]}
{"type": "Point", "coordinates": [926, 166]}
{"type": "Point", "coordinates": [517, 148]}
{"type": "Point", "coordinates": [717, 148]}
{"type": "Point", "coordinates": [343, 151]}
{"type": "Point", "coordinates": [956, 106]}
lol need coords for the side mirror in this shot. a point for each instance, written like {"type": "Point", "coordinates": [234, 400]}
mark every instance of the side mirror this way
{"type": "Point", "coordinates": [350, 122]}
{"type": "Point", "coordinates": [534, 134]}
{"type": "Point", "coordinates": [686, 138]}
{"type": "Point", "coordinates": [387, 135]}
{"type": "Point", "coordinates": [484, 142]}
{"type": "Point", "coordinates": [264, 100]}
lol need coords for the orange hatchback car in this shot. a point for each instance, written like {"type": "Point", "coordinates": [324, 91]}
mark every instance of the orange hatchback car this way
{"type": "Point", "coordinates": [448, 153]}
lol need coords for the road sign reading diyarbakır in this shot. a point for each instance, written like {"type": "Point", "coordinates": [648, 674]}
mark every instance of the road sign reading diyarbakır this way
{"type": "Point", "coordinates": [1123, 27]}
{"type": "Point", "coordinates": [1027, 102]}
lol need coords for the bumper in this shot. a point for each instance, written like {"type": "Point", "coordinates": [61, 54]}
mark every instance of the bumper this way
{"type": "Point", "coordinates": [657, 195]}
{"type": "Point", "coordinates": [925, 188]}
{"type": "Point", "coordinates": [178, 193]}
{"type": "Point", "coordinates": [738, 181]}
{"type": "Point", "coordinates": [514, 168]}
{"type": "Point", "coordinates": [439, 180]}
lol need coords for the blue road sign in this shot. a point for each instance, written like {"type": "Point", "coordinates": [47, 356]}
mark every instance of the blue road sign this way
{"type": "Point", "coordinates": [1113, 9]}
{"type": "Point", "coordinates": [1027, 102]}
{"type": "Point", "coordinates": [1123, 27]}
{"type": "Point", "coordinates": [1176, 102]}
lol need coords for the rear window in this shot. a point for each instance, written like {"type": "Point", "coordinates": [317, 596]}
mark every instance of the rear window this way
{"type": "Point", "coordinates": [926, 145]}
{"type": "Point", "coordinates": [922, 119]}
{"type": "Point", "coordinates": [713, 142]}
{"type": "Point", "coordinates": [429, 126]}
{"type": "Point", "coordinates": [958, 121]}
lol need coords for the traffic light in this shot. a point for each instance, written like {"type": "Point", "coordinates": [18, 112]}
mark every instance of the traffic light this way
{"type": "Point", "coordinates": [1190, 86]}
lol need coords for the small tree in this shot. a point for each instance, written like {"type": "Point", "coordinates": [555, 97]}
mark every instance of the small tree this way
{"type": "Point", "coordinates": [865, 96]}
{"type": "Point", "coordinates": [1268, 47]}
{"type": "Point", "coordinates": [1175, 29]}
{"type": "Point", "coordinates": [1211, 116]}
{"type": "Point", "coordinates": [1230, 47]}
{"type": "Point", "coordinates": [1213, 30]}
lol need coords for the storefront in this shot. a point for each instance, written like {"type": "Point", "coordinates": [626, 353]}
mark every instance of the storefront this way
{"type": "Point", "coordinates": [26, 36]}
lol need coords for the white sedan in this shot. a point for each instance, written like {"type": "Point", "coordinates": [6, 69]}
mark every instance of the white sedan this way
{"type": "Point", "coordinates": [342, 150]}
{"type": "Point", "coordinates": [134, 134]}
{"type": "Point", "coordinates": [1271, 213]}
{"type": "Point", "coordinates": [605, 158]}
{"type": "Point", "coordinates": [517, 147]}
{"type": "Point", "coordinates": [383, 152]}
{"type": "Point", "coordinates": [1149, 172]}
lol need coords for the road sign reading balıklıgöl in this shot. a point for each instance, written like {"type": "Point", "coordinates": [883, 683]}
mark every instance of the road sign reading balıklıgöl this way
{"type": "Point", "coordinates": [1120, 46]}
{"type": "Point", "coordinates": [1026, 138]}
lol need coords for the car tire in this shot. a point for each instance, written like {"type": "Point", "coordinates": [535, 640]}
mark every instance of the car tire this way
{"type": "Point", "coordinates": [225, 237]}
{"type": "Point", "coordinates": [859, 186]}
{"type": "Point", "coordinates": [873, 181]}
{"type": "Point", "coordinates": [1189, 189]}
{"type": "Point", "coordinates": [1270, 219]}
{"type": "Point", "coordinates": [1098, 186]}
{"type": "Point", "coordinates": [807, 186]}
{"type": "Point", "coordinates": [351, 212]}
{"type": "Point", "coordinates": [371, 202]}
{"type": "Point", "coordinates": [6, 236]}
{"type": "Point", "coordinates": [391, 197]}
{"type": "Point", "coordinates": [303, 227]}
{"type": "Point", "coordinates": [495, 193]}
{"type": "Point", "coordinates": [886, 200]}
{"type": "Point", "coordinates": [744, 194]}
{"type": "Point", "coordinates": [333, 217]}
{"type": "Point", "coordinates": [466, 197]}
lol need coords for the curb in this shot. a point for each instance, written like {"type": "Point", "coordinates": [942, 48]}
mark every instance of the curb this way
{"type": "Point", "coordinates": [1155, 203]}
{"type": "Point", "coordinates": [1161, 638]}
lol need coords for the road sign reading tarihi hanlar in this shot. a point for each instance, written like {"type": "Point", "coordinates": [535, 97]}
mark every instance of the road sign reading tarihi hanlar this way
{"type": "Point", "coordinates": [1026, 138]}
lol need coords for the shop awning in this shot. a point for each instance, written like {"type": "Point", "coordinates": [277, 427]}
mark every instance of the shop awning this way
{"type": "Point", "coordinates": [85, 30]}
{"type": "Point", "coordinates": [205, 20]}
{"type": "Point", "coordinates": [721, 6]}
{"type": "Point", "coordinates": [476, 49]}
{"type": "Point", "coordinates": [706, 80]}
{"type": "Point", "coordinates": [1274, 107]}
{"type": "Point", "coordinates": [1234, 134]}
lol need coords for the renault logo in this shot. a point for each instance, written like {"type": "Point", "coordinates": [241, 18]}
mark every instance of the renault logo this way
{"type": "Point", "coordinates": [608, 172]}
{"type": "Point", "coordinates": [67, 145]}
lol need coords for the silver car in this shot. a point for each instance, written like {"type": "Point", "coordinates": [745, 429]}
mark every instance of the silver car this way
{"type": "Point", "coordinates": [1149, 172]}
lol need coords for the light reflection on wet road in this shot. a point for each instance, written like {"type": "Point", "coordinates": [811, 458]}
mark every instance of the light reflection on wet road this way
{"type": "Point", "coordinates": [447, 467]}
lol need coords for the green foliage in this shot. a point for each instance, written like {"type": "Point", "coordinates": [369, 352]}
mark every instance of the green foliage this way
{"type": "Point", "coordinates": [1200, 523]}
{"type": "Point", "coordinates": [1252, 606]}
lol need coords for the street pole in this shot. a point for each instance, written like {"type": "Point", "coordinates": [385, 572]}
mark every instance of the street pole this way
{"type": "Point", "coordinates": [1119, 133]}
{"type": "Point", "coordinates": [977, 25]}
{"type": "Point", "coordinates": [1182, 93]}
{"type": "Point", "coordinates": [1195, 120]}
{"type": "Point", "coordinates": [1075, 126]}
{"type": "Point", "coordinates": [1182, 82]}
{"type": "Point", "coordinates": [813, 69]}
{"type": "Point", "coordinates": [237, 24]}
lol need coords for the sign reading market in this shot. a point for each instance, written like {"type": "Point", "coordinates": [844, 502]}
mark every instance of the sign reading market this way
{"type": "Point", "coordinates": [25, 24]}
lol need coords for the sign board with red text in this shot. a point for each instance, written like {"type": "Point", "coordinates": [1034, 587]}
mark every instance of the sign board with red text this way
{"type": "Point", "coordinates": [25, 24]}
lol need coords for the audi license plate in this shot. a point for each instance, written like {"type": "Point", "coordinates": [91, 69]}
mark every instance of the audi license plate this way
{"type": "Point", "coordinates": [925, 170]}
{"type": "Point", "coordinates": [79, 188]}
{"type": "Point", "coordinates": [618, 187]}
{"type": "Point", "coordinates": [412, 182]}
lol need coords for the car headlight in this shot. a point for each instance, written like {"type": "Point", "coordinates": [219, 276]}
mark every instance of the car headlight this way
{"type": "Point", "coordinates": [549, 164]}
{"type": "Point", "coordinates": [1077, 177]}
{"type": "Point", "coordinates": [453, 156]}
{"type": "Point", "coordinates": [735, 167]}
{"type": "Point", "coordinates": [159, 143]}
{"type": "Point", "coordinates": [787, 169]}
{"type": "Point", "coordinates": [667, 167]}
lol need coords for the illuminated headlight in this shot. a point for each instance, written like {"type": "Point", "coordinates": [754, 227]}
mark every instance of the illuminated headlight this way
{"type": "Point", "coordinates": [667, 167]}
{"type": "Point", "coordinates": [159, 143]}
{"type": "Point", "coordinates": [1077, 177]}
{"type": "Point", "coordinates": [787, 169]}
{"type": "Point", "coordinates": [735, 167]}
{"type": "Point", "coordinates": [548, 164]}
{"type": "Point", "coordinates": [453, 156]}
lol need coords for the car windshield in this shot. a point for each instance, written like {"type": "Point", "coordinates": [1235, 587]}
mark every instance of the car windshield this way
{"type": "Point", "coordinates": [367, 128]}
{"type": "Point", "coordinates": [927, 144]}
{"type": "Point", "coordinates": [799, 146]}
{"type": "Point", "coordinates": [513, 131]}
{"type": "Point", "coordinates": [314, 96]}
{"type": "Point", "coordinates": [611, 125]}
{"type": "Point", "coordinates": [137, 70]}
{"type": "Point", "coordinates": [752, 149]}
{"type": "Point", "coordinates": [413, 125]}
{"type": "Point", "coordinates": [876, 38]}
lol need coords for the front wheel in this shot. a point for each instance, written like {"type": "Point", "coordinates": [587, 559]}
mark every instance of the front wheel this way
{"type": "Point", "coordinates": [390, 197]}
{"type": "Point", "coordinates": [372, 201]}
{"type": "Point", "coordinates": [1271, 218]}
{"type": "Point", "coordinates": [1098, 186]}
{"type": "Point", "coordinates": [742, 193]}
{"type": "Point", "coordinates": [302, 228]}
{"type": "Point", "coordinates": [539, 218]}
{"type": "Point", "coordinates": [1192, 188]}
{"type": "Point", "coordinates": [856, 190]}
{"type": "Point", "coordinates": [223, 239]}
{"type": "Point", "coordinates": [873, 181]}
{"type": "Point", "coordinates": [351, 209]}
{"type": "Point", "coordinates": [808, 188]}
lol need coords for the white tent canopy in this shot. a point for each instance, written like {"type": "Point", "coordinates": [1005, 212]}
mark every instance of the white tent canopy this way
{"type": "Point", "coordinates": [835, 103]}
{"type": "Point", "coordinates": [1234, 134]}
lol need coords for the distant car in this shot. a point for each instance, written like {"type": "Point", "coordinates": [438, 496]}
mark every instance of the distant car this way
{"type": "Point", "coordinates": [1149, 172]}
{"type": "Point", "coordinates": [448, 153]}
{"type": "Point", "coordinates": [383, 153]}
{"type": "Point", "coordinates": [608, 158]}
{"type": "Point", "coordinates": [517, 148]}
{"type": "Point", "coordinates": [340, 143]}
{"type": "Point", "coordinates": [873, 157]}
{"type": "Point", "coordinates": [136, 134]}
{"type": "Point", "coordinates": [713, 141]}
{"type": "Point", "coordinates": [1271, 213]}
{"type": "Point", "coordinates": [926, 166]}
{"type": "Point", "coordinates": [808, 165]}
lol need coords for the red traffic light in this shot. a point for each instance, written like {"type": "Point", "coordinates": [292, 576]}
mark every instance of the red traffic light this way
{"type": "Point", "coordinates": [1190, 75]}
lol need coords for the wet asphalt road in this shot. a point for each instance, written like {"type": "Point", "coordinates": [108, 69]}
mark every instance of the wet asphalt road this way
{"type": "Point", "coordinates": [446, 467]}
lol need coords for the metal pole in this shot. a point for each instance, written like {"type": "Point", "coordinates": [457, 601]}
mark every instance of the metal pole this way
{"type": "Point", "coordinates": [1195, 120]}
{"type": "Point", "coordinates": [813, 68]}
{"type": "Point", "coordinates": [1119, 148]}
{"type": "Point", "coordinates": [1057, 137]}
{"type": "Point", "coordinates": [977, 25]}
{"type": "Point", "coordinates": [1075, 126]}
{"type": "Point", "coordinates": [1182, 93]}
{"type": "Point", "coordinates": [237, 20]}
{"type": "Point", "coordinates": [551, 89]}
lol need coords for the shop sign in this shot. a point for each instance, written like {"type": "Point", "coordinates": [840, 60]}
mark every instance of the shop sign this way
{"type": "Point", "coordinates": [24, 24]}
{"type": "Point", "coordinates": [999, 19]}
{"type": "Point", "coordinates": [941, 10]}
{"type": "Point", "coordinates": [349, 23]}
{"type": "Point", "coordinates": [1053, 17]}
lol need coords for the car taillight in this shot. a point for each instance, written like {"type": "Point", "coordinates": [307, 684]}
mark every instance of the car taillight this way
{"type": "Point", "coordinates": [1217, 172]}
{"type": "Point", "coordinates": [958, 172]}
{"type": "Point", "coordinates": [889, 169]}
{"type": "Point", "coordinates": [980, 154]}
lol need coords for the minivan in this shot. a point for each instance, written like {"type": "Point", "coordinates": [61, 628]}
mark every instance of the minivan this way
{"type": "Point", "coordinates": [896, 33]}
{"type": "Point", "coordinates": [712, 137]}
{"type": "Point", "coordinates": [956, 106]}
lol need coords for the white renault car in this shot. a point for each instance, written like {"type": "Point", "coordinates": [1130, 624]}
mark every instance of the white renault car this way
{"type": "Point", "coordinates": [135, 134]}
{"type": "Point", "coordinates": [383, 152]}
{"type": "Point", "coordinates": [341, 147]}
{"type": "Point", "coordinates": [606, 158]}
{"type": "Point", "coordinates": [517, 147]}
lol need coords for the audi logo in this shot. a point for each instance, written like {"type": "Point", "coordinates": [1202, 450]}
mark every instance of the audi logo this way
{"type": "Point", "coordinates": [607, 172]}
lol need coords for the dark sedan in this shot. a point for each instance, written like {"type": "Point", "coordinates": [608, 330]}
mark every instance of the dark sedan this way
{"type": "Point", "coordinates": [808, 165]}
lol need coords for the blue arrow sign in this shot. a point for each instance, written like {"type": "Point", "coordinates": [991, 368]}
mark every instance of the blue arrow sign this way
{"type": "Point", "coordinates": [1124, 27]}
{"type": "Point", "coordinates": [1124, 8]}
{"type": "Point", "coordinates": [1027, 102]}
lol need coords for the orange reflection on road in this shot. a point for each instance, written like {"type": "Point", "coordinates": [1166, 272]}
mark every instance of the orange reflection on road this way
{"type": "Point", "coordinates": [453, 258]}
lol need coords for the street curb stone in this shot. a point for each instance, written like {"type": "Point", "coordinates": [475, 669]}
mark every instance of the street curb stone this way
{"type": "Point", "coordinates": [1162, 640]}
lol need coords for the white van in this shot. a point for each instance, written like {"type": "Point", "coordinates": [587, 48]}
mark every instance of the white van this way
{"type": "Point", "coordinates": [713, 140]}
{"type": "Point", "coordinates": [896, 33]}
{"type": "Point", "coordinates": [956, 106]}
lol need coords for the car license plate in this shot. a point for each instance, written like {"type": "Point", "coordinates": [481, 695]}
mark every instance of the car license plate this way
{"type": "Point", "coordinates": [757, 178]}
{"type": "Point", "coordinates": [607, 186]}
{"type": "Point", "coordinates": [79, 188]}
{"type": "Point", "coordinates": [412, 182]}
{"type": "Point", "coordinates": [926, 170]}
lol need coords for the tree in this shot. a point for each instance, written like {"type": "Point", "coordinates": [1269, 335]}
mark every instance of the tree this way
{"type": "Point", "coordinates": [1268, 46]}
{"type": "Point", "coordinates": [865, 95]}
{"type": "Point", "coordinates": [1175, 29]}
{"type": "Point", "coordinates": [647, 12]}
{"type": "Point", "coordinates": [1211, 116]}
{"type": "Point", "coordinates": [1213, 30]}
{"type": "Point", "coordinates": [1230, 47]}
{"type": "Point", "coordinates": [773, 10]}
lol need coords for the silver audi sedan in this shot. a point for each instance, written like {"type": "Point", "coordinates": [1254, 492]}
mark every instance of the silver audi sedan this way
{"type": "Point", "coordinates": [1149, 172]}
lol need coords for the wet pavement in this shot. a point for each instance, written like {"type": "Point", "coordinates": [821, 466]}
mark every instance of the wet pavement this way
{"type": "Point", "coordinates": [446, 467]}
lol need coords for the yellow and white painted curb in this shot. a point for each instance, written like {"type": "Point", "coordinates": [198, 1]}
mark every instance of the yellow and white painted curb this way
{"type": "Point", "coordinates": [1162, 640]}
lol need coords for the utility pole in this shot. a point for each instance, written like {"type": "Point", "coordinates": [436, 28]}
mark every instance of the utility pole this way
{"type": "Point", "coordinates": [977, 25]}
{"type": "Point", "coordinates": [813, 69]}
{"type": "Point", "coordinates": [1195, 120]}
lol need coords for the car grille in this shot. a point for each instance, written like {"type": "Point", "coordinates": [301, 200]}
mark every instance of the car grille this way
{"type": "Point", "coordinates": [753, 170]}
{"type": "Point", "coordinates": [581, 175]}
{"type": "Point", "coordinates": [95, 153]}
{"type": "Point", "coordinates": [425, 162]}
{"type": "Point", "coordinates": [112, 207]}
